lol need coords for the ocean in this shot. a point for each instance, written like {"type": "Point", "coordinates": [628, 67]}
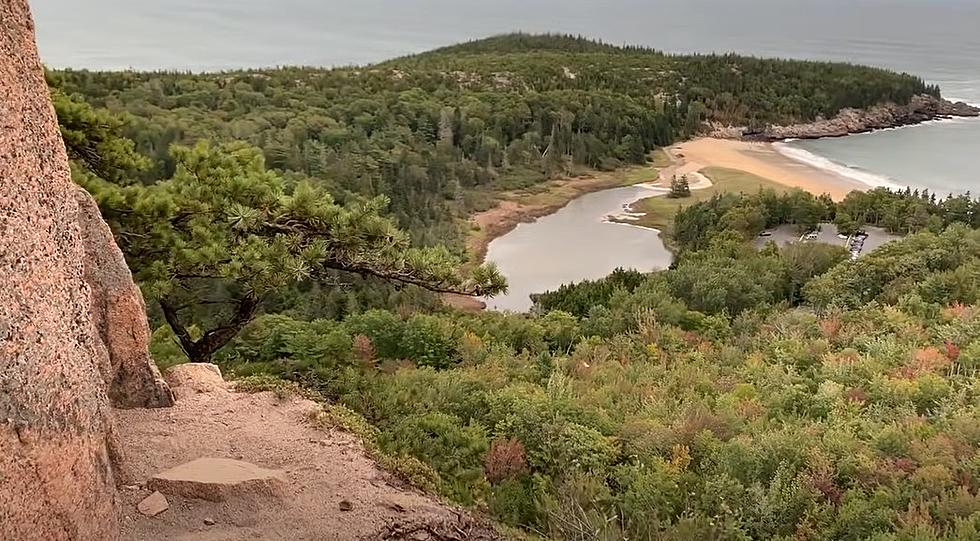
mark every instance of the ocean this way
{"type": "Point", "coordinates": [935, 39]}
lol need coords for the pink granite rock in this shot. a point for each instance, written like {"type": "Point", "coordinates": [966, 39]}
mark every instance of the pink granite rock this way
{"type": "Point", "coordinates": [56, 444]}
{"type": "Point", "coordinates": [119, 314]}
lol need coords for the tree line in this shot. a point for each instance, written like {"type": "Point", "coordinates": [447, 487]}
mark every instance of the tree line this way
{"type": "Point", "coordinates": [897, 211]}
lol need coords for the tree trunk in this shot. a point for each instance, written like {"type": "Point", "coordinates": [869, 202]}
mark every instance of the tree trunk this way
{"type": "Point", "coordinates": [202, 349]}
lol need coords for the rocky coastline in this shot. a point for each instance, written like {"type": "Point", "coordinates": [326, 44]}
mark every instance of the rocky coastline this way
{"type": "Point", "coordinates": [922, 108]}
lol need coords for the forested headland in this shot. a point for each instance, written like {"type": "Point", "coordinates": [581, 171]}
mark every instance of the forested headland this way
{"type": "Point", "coordinates": [440, 133]}
{"type": "Point", "coordinates": [287, 223]}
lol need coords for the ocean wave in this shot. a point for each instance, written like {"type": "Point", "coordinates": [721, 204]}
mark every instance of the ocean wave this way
{"type": "Point", "coordinates": [864, 177]}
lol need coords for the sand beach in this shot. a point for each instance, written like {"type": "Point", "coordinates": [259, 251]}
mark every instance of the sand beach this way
{"type": "Point", "coordinates": [763, 160]}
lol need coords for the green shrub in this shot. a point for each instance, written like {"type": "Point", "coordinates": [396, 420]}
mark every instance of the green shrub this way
{"type": "Point", "coordinates": [429, 341]}
{"type": "Point", "coordinates": [291, 344]}
{"type": "Point", "coordinates": [165, 348]}
{"type": "Point", "coordinates": [514, 502]}
{"type": "Point", "coordinates": [385, 329]}
{"type": "Point", "coordinates": [454, 449]}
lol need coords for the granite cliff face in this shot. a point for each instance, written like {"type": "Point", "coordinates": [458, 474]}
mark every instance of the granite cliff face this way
{"type": "Point", "coordinates": [57, 448]}
{"type": "Point", "coordinates": [119, 315]}
{"type": "Point", "coordinates": [850, 121]}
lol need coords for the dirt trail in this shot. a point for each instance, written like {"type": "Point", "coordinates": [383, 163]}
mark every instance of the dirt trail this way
{"type": "Point", "coordinates": [323, 469]}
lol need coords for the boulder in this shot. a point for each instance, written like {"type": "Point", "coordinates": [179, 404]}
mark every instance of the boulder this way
{"type": "Point", "coordinates": [218, 479]}
{"type": "Point", "coordinates": [153, 505]}
{"type": "Point", "coordinates": [119, 314]}
{"type": "Point", "coordinates": [56, 432]}
{"type": "Point", "coordinates": [195, 378]}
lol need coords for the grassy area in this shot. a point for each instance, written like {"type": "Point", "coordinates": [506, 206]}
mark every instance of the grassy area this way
{"type": "Point", "coordinates": [660, 211]}
{"type": "Point", "coordinates": [660, 159]}
{"type": "Point", "coordinates": [646, 173]}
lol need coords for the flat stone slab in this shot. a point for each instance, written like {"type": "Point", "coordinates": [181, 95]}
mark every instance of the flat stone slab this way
{"type": "Point", "coordinates": [153, 505]}
{"type": "Point", "coordinates": [218, 479]}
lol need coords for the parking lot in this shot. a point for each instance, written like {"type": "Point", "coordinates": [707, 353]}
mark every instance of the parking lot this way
{"type": "Point", "coordinates": [871, 238]}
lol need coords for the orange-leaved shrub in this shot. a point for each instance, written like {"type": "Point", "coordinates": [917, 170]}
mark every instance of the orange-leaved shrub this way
{"type": "Point", "coordinates": [506, 459]}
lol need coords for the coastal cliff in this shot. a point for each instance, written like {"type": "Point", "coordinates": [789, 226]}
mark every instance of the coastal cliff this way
{"type": "Point", "coordinates": [922, 108]}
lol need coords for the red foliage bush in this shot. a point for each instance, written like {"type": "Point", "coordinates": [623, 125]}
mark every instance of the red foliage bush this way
{"type": "Point", "coordinates": [925, 360]}
{"type": "Point", "coordinates": [699, 420]}
{"type": "Point", "coordinates": [952, 351]}
{"type": "Point", "coordinates": [857, 394]}
{"type": "Point", "coordinates": [904, 465]}
{"type": "Point", "coordinates": [824, 483]}
{"type": "Point", "coordinates": [506, 459]}
{"type": "Point", "coordinates": [829, 328]}
{"type": "Point", "coordinates": [958, 311]}
{"type": "Point", "coordinates": [364, 349]}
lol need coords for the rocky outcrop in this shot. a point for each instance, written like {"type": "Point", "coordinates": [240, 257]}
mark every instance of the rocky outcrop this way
{"type": "Point", "coordinates": [949, 109]}
{"type": "Point", "coordinates": [850, 121]}
{"type": "Point", "coordinates": [119, 314]}
{"type": "Point", "coordinates": [56, 477]}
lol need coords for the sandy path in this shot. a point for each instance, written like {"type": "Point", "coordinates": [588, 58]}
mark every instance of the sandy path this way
{"type": "Point", "coordinates": [763, 160]}
{"type": "Point", "coordinates": [323, 469]}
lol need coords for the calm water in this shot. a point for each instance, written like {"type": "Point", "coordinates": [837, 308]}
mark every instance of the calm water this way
{"type": "Point", "coordinates": [941, 157]}
{"type": "Point", "coordinates": [936, 39]}
{"type": "Point", "coordinates": [574, 244]}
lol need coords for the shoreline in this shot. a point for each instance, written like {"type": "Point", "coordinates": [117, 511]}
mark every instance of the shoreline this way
{"type": "Point", "coordinates": [869, 131]}
{"type": "Point", "coordinates": [920, 109]}
{"type": "Point", "coordinates": [508, 214]}
{"type": "Point", "coordinates": [687, 158]}
{"type": "Point", "coordinates": [514, 209]}
{"type": "Point", "coordinates": [868, 179]}
{"type": "Point", "coordinates": [764, 159]}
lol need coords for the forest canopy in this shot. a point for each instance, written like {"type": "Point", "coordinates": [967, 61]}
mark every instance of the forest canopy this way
{"type": "Point", "coordinates": [440, 134]}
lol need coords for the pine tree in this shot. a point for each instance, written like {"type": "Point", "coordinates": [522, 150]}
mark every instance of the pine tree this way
{"type": "Point", "coordinates": [446, 132]}
{"type": "Point", "coordinates": [679, 187]}
{"type": "Point", "coordinates": [210, 243]}
{"type": "Point", "coordinates": [92, 139]}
